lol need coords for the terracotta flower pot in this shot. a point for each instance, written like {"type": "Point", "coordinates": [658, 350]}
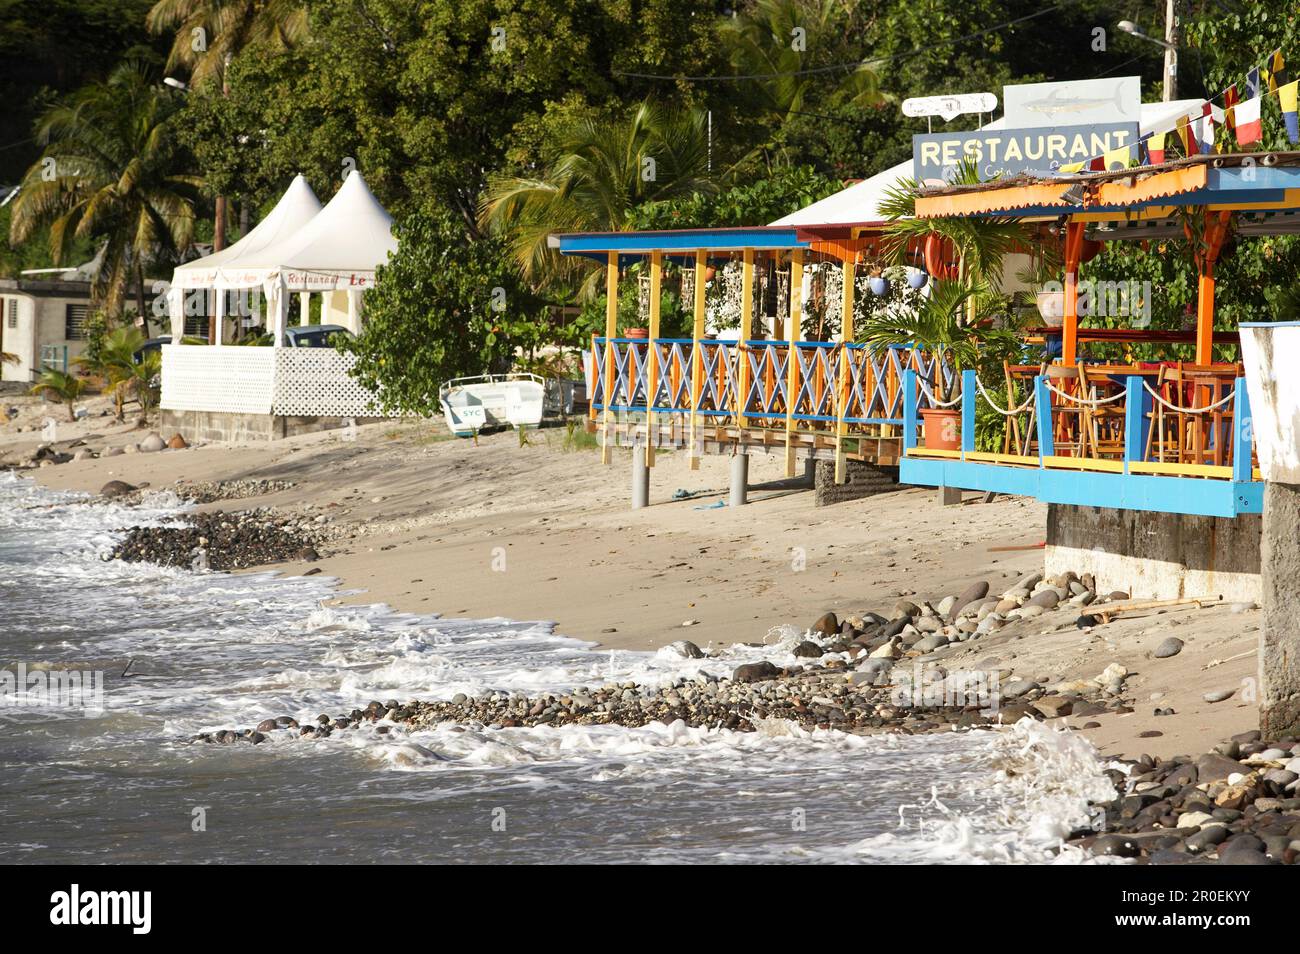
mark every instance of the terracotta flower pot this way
{"type": "Point", "coordinates": [638, 334]}
{"type": "Point", "coordinates": [942, 430]}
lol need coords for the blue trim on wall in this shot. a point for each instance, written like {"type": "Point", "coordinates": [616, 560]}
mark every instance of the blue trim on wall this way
{"type": "Point", "coordinates": [1190, 495]}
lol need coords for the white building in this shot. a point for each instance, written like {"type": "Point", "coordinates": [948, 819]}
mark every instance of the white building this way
{"type": "Point", "coordinates": [42, 322]}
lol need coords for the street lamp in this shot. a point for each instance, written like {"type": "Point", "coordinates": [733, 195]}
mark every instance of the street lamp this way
{"type": "Point", "coordinates": [1169, 43]}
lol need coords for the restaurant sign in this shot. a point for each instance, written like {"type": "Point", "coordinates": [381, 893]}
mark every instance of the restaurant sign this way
{"type": "Point", "coordinates": [1006, 152]}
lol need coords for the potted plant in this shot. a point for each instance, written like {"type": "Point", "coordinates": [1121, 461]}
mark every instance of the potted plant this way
{"type": "Point", "coordinates": [934, 323]}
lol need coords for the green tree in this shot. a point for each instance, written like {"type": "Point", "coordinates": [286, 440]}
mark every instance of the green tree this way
{"type": "Point", "coordinates": [599, 173]}
{"type": "Point", "coordinates": [111, 172]}
{"type": "Point", "coordinates": [442, 307]}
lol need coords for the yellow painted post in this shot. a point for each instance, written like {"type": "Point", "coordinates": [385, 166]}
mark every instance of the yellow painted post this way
{"type": "Point", "coordinates": [792, 358]}
{"type": "Point", "coordinates": [746, 330]}
{"type": "Point", "coordinates": [652, 355]}
{"type": "Point", "coordinates": [697, 363]}
{"type": "Point", "coordinates": [842, 384]}
{"type": "Point", "coordinates": [611, 331]}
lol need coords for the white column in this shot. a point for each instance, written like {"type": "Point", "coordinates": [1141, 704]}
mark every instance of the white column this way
{"type": "Point", "coordinates": [304, 306]}
{"type": "Point", "coordinates": [354, 311]}
{"type": "Point", "coordinates": [219, 316]}
{"type": "Point", "coordinates": [176, 312]}
{"type": "Point", "coordinates": [278, 303]}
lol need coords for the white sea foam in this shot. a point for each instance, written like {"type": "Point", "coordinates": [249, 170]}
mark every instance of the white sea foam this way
{"type": "Point", "coordinates": [212, 650]}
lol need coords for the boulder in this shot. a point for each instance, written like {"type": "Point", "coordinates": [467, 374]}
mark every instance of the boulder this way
{"type": "Point", "coordinates": [177, 442]}
{"type": "Point", "coordinates": [1170, 647]}
{"type": "Point", "coordinates": [755, 672]}
{"type": "Point", "coordinates": [116, 488]}
{"type": "Point", "coordinates": [153, 442]}
{"type": "Point", "coordinates": [827, 624]}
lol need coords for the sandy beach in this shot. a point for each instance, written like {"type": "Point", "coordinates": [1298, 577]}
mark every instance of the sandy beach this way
{"type": "Point", "coordinates": [430, 524]}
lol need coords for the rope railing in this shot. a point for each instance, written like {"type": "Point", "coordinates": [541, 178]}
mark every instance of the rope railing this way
{"type": "Point", "coordinates": [1188, 410]}
{"type": "Point", "coordinates": [1029, 402]}
{"type": "Point", "coordinates": [934, 401]}
{"type": "Point", "coordinates": [1076, 399]}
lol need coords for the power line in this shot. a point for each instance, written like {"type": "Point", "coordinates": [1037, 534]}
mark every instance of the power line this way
{"type": "Point", "coordinates": [857, 64]}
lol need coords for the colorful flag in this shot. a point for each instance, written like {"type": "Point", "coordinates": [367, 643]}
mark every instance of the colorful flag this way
{"type": "Point", "coordinates": [1118, 158]}
{"type": "Point", "coordinates": [1249, 128]}
{"type": "Point", "coordinates": [1185, 137]}
{"type": "Point", "coordinates": [1286, 97]}
{"type": "Point", "coordinates": [1229, 101]}
{"type": "Point", "coordinates": [1276, 70]}
{"type": "Point", "coordinates": [1252, 83]}
{"type": "Point", "coordinates": [1156, 148]}
{"type": "Point", "coordinates": [1071, 167]}
{"type": "Point", "coordinates": [1204, 129]}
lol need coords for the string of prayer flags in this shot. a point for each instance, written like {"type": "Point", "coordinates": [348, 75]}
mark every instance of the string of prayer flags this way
{"type": "Point", "coordinates": [1230, 100]}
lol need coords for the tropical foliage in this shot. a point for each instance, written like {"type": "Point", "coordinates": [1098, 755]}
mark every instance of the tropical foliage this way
{"type": "Point", "coordinates": [60, 386]}
{"type": "Point", "coordinates": [109, 171]}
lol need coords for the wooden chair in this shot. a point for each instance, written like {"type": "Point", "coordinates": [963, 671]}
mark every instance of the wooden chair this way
{"type": "Point", "coordinates": [1069, 418]}
{"type": "Point", "coordinates": [1104, 422]}
{"type": "Point", "coordinates": [1015, 438]}
{"type": "Point", "coordinates": [1188, 435]}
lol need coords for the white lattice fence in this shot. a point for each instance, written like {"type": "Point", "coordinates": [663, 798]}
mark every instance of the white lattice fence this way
{"type": "Point", "coordinates": [315, 381]}
{"type": "Point", "coordinates": [235, 379]}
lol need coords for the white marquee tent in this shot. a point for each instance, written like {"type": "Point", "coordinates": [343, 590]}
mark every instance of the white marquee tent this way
{"type": "Point", "coordinates": [301, 247]}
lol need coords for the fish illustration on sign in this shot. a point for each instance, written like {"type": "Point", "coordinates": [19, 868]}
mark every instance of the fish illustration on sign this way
{"type": "Point", "coordinates": [1054, 104]}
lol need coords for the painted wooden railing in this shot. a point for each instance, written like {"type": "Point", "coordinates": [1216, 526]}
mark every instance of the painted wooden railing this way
{"type": "Point", "coordinates": [819, 385]}
{"type": "Point", "coordinates": [1140, 466]}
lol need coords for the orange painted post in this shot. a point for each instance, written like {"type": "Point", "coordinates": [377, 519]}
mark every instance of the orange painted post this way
{"type": "Point", "coordinates": [652, 355]}
{"type": "Point", "coordinates": [1070, 323]}
{"type": "Point", "coordinates": [1216, 231]}
{"type": "Point", "coordinates": [611, 331]}
{"type": "Point", "coordinates": [697, 363]}
{"type": "Point", "coordinates": [792, 354]}
{"type": "Point", "coordinates": [842, 382]}
{"type": "Point", "coordinates": [746, 330]}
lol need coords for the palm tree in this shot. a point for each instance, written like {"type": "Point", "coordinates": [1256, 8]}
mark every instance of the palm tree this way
{"type": "Point", "coordinates": [601, 170]}
{"type": "Point", "coordinates": [108, 172]}
{"type": "Point", "coordinates": [211, 33]}
{"type": "Point", "coordinates": [114, 364]}
{"type": "Point", "coordinates": [790, 47]}
{"type": "Point", "coordinates": [61, 385]}
{"type": "Point", "coordinates": [981, 243]}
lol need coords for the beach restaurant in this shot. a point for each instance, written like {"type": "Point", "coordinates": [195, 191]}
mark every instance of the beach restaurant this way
{"type": "Point", "coordinates": [230, 392]}
{"type": "Point", "coordinates": [1122, 451]}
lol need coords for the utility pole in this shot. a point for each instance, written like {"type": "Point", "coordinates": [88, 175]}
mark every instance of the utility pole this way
{"type": "Point", "coordinates": [1171, 50]}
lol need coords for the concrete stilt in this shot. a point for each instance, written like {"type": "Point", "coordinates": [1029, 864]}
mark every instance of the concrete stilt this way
{"type": "Point", "coordinates": [810, 470]}
{"type": "Point", "coordinates": [640, 479]}
{"type": "Point", "coordinates": [949, 496]}
{"type": "Point", "coordinates": [1279, 642]}
{"type": "Point", "coordinates": [739, 480]}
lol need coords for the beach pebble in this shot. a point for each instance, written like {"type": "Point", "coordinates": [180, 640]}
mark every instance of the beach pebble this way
{"type": "Point", "coordinates": [685, 649]}
{"type": "Point", "coordinates": [1170, 647]}
{"type": "Point", "coordinates": [116, 488]}
{"type": "Point", "coordinates": [827, 624]}
{"type": "Point", "coordinates": [1218, 695]}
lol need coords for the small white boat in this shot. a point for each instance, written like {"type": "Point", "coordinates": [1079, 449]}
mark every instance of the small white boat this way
{"type": "Point", "coordinates": [492, 400]}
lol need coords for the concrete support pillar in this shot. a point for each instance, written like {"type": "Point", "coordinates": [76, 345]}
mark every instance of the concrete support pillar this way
{"type": "Point", "coordinates": [304, 308]}
{"type": "Point", "coordinates": [640, 479]}
{"type": "Point", "coordinates": [1279, 648]}
{"type": "Point", "coordinates": [739, 481]}
{"type": "Point", "coordinates": [810, 470]}
{"type": "Point", "coordinates": [949, 496]}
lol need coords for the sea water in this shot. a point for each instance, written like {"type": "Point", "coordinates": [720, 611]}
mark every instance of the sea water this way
{"type": "Point", "coordinates": [108, 776]}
